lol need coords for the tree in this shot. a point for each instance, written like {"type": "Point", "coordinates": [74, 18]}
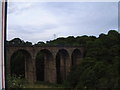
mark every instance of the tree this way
{"type": "Point", "coordinates": [16, 41]}
{"type": "Point", "coordinates": [40, 43]}
{"type": "Point", "coordinates": [28, 43]}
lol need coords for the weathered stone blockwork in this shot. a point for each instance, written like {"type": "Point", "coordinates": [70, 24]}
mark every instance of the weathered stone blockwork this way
{"type": "Point", "coordinates": [66, 53]}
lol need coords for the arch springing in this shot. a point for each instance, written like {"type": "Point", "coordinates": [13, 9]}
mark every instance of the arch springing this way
{"type": "Point", "coordinates": [19, 63]}
{"type": "Point", "coordinates": [76, 57]}
{"type": "Point", "coordinates": [62, 61]}
{"type": "Point", "coordinates": [44, 66]}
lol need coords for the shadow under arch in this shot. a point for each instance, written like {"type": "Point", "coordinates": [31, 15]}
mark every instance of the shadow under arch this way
{"type": "Point", "coordinates": [44, 66]}
{"type": "Point", "coordinates": [76, 57]}
{"type": "Point", "coordinates": [62, 65]}
{"type": "Point", "coordinates": [21, 64]}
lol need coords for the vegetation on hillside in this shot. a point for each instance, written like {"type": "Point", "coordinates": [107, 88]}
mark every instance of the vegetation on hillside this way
{"type": "Point", "coordinates": [101, 65]}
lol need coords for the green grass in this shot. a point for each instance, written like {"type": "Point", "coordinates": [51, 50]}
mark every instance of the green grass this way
{"type": "Point", "coordinates": [43, 85]}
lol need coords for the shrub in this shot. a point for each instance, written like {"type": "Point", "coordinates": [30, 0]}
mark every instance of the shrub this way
{"type": "Point", "coordinates": [15, 82]}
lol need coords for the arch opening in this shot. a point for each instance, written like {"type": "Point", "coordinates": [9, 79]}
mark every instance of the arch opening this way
{"type": "Point", "coordinates": [62, 65]}
{"type": "Point", "coordinates": [76, 57]}
{"type": "Point", "coordinates": [19, 63]}
{"type": "Point", "coordinates": [44, 66]}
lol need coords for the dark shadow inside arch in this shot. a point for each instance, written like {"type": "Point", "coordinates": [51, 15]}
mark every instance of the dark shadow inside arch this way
{"type": "Point", "coordinates": [41, 64]}
{"type": "Point", "coordinates": [17, 63]}
{"type": "Point", "coordinates": [76, 56]}
{"type": "Point", "coordinates": [61, 65]}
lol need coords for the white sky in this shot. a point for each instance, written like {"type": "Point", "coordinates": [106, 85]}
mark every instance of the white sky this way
{"type": "Point", "coordinates": [39, 21]}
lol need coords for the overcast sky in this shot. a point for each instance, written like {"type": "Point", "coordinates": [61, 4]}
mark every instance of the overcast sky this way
{"type": "Point", "coordinates": [44, 21]}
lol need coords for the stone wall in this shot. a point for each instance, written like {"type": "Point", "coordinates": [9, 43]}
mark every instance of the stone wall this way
{"type": "Point", "coordinates": [66, 55]}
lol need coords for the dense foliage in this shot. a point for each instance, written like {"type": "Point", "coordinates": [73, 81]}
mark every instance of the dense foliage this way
{"type": "Point", "coordinates": [18, 42]}
{"type": "Point", "coordinates": [100, 67]}
{"type": "Point", "coordinates": [15, 82]}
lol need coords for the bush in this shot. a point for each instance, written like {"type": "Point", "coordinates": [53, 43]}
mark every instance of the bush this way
{"type": "Point", "coordinates": [15, 82]}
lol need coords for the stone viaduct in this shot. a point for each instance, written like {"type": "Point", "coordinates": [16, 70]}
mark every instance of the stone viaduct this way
{"type": "Point", "coordinates": [57, 60]}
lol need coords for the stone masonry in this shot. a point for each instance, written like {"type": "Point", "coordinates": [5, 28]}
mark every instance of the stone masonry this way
{"type": "Point", "coordinates": [67, 55]}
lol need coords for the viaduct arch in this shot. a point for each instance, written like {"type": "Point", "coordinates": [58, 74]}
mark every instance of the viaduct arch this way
{"type": "Point", "coordinates": [57, 61]}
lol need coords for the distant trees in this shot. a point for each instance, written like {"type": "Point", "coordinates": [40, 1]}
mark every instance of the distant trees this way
{"type": "Point", "coordinates": [18, 42]}
{"type": "Point", "coordinates": [40, 43]}
{"type": "Point", "coordinates": [28, 43]}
